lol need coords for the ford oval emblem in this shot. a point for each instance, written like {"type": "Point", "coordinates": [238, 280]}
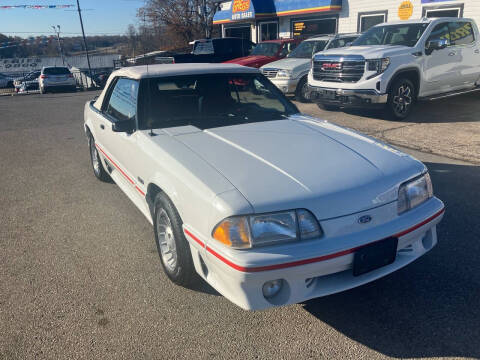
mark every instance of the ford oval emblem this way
{"type": "Point", "coordinates": [365, 219]}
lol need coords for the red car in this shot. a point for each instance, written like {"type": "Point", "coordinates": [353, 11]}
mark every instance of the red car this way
{"type": "Point", "coordinates": [267, 52]}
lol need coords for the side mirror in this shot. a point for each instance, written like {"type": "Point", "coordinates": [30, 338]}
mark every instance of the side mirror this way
{"type": "Point", "coordinates": [436, 44]}
{"type": "Point", "coordinates": [124, 126]}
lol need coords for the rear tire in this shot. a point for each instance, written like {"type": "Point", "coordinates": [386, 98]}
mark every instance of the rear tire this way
{"type": "Point", "coordinates": [96, 162]}
{"type": "Point", "coordinates": [301, 91]}
{"type": "Point", "coordinates": [173, 248]}
{"type": "Point", "coordinates": [401, 99]}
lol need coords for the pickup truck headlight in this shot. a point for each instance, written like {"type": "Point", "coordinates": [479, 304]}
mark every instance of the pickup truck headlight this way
{"type": "Point", "coordinates": [286, 74]}
{"type": "Point", "coordinates": [242, 232]}
{"type": "Point", "coordinates": [378, 65]}
{"type": "Point", "coordinates": [414, 193]}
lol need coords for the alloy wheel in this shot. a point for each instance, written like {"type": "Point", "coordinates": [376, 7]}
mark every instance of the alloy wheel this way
{"type": "Point", "coordinates": [166, 239]}
{"type": "Point", "coordinates": [403, 99]}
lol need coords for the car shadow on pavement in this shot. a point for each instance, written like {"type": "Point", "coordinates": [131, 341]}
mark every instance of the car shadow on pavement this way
{"type": "Point", "coordinates": [456, 109]}
{"type": "Point", "coordinates": [431, 308]}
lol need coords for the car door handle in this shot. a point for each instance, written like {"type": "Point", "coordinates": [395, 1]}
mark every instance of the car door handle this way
{"type": "Point", "coordinates": [102, 127]}
{"type": "Point", "coordinates": [453, 53]}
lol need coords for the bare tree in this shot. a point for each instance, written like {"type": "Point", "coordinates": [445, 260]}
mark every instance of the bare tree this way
{"type": "Point", "coordinates": [177, 22]}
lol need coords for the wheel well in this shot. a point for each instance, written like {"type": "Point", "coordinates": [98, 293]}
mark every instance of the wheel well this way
{"type": "Point", "coordinates": [87, 130]}
{"type": "Point", "coordinates": [412, 75]}
{"type": "Point", "coordinates": [152, 192]}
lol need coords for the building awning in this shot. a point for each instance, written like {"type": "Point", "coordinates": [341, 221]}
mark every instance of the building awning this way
{"type": "Point", "coordinates": [240, 10]}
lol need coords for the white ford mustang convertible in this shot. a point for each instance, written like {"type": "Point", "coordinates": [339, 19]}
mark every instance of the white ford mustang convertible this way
{"type": "Point", "coordinates": [269, 206]}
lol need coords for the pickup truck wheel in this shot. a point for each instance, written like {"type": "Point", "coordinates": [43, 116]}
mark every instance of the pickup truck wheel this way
{"type": "Point", "coordinates": [97, 165]}
{"type": "Point", "coordinates": [302, 90]}
{"type": "Point", "coordinates": [401, 99]}
{"type": "Point", "coordinates": [172, 246]}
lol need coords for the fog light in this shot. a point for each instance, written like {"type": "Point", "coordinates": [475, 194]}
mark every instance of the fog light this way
{"type": "Point", "coordinates": [272, 288]}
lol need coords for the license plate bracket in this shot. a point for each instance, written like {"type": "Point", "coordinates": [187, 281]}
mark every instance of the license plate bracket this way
{"type": "Point", "coordinates": [375, 256]}
{"type": "Point", "coordinates": [329, 94]}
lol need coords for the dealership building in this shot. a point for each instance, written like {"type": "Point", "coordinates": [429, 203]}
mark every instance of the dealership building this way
{"type": "Point", "coordinates": [260, 20]}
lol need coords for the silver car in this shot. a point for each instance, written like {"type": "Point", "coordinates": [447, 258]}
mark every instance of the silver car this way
{"type": "Point", "coordinates": [56, 78]}
{"type": "Point", "coordinates": [290, 74]}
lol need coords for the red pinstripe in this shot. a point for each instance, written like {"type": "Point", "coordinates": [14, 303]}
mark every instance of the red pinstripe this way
{"type": "Point", "coordinates": [121, 171]}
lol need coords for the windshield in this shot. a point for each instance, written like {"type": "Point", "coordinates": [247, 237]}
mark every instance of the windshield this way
{"type": "Point", "coordinates": [307, 48]}
{"type": "Point", "coordinates": [56, 71]}
{"type": "Point", "coordinates": [203, 48]}
{"type": "Point", "coordinates": [402, 34]}
{"type": "Point", "coordinates": [266, 49]}
{"type": "Point", "coordinates": [193, 100]}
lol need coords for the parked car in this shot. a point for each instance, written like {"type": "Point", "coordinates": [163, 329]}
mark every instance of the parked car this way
{"type": "Point", "coordinates": [56, 78]}
{"type": "Point", "coordinates": [226, 177]}
{"type": "Point", "coordinates": [27, 86]}
{"type": "Point", "coordinates": [29, 77]}
{"type": "Point", "coordinates": [5, 81]}
{"type": "Point", "coordinates": [211, 51]}
{"type": "Point", "coordinates": [100, 78]}
{"type": "Point", "coordinates": [290, 75]}
{"type": "Point", "coordinates": [396, 64]}
{"type": "Point", "coordinates": [267, 52]}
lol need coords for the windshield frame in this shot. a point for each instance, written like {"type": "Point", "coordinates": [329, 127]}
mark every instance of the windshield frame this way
{"type": "Point", "coordinates": [264, 44]}
{"type": "Point", "coordinates": [314, 49]}
{"type": "Point", "coordinates": [360, 41]}
{"type": "Point", "coordinates": [146, 96]}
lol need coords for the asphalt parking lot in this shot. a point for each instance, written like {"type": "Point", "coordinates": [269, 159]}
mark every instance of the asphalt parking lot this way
{"type": "Point", "coordinates": [80, 276]}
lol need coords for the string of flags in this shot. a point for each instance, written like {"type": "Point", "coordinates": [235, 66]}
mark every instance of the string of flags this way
{"type": "Point", "coordinates": [37, 7]}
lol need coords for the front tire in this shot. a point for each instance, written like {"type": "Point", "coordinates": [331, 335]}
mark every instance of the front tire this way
{"type": "Point", "coordinates": [401, 99]}
{"type": "Point", "coordinates": [172, 246]}
{"type": "Point", "coordinates": [302, 90]}
{"type": "Point", "coordinates": [96, 162]}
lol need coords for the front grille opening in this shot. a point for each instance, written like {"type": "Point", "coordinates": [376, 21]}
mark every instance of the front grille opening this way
{"type": "Point", "coordinates": [347, 71]}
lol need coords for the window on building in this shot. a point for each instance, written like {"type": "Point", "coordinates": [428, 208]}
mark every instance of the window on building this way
{"type": "Point", "coordinates": [243, 32]}
{"type": "Point", "coordinates": [456, 11]}
{"type": "Point", "coordinates": [308, 28]}
{"type": "Point", "coordinates": [369, 20]}
{"type": "Point", "coordinates": [268, 31]}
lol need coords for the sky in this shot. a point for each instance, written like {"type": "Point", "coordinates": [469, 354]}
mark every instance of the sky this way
{"type": "Point", "coordinates": [110, 17]}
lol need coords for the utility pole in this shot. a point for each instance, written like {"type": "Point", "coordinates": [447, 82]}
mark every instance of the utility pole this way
{"type": "Point", "coordinates": [84, 40]}
{"type": "Point", "coordinates": [60, 47]}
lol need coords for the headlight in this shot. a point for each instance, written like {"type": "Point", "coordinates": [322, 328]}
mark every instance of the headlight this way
{"type": "Point", "coordinates": [414, 193]}
{"type": "Point", "coordinates": [284, 74]}
{"type": "Point", "coordinates": [378, 65]}
{"type": "Point", "coordinates": [241, 232]}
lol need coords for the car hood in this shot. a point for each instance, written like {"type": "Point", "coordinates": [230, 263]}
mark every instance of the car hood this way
{"type": "Point", "coordinates": [368, 52]}
{"type": "Point", "coordinates": [288, 64]}
{"type": "Point", "coordinates": [301, 162]}
{"type": "Point", "coordinates": [252, 60]}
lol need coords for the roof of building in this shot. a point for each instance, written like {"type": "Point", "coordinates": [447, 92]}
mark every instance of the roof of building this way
{"type": "Point", "coordinates": [163, 70]}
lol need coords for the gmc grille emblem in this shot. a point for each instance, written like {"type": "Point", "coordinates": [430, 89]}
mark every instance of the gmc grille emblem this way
{"type": "Point", "coordinates": [332, 66]}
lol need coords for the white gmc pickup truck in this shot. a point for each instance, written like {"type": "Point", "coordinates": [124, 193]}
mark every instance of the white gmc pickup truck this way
{"type": "Point", "coordinates": [395, 64]}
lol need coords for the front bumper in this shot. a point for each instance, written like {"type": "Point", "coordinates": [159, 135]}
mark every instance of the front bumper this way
{"type": "Point", "coordinates": [346, 97]}
{"type": "Point", "coordinates": [287, 86]}
{"type": "Point", "coordinates": [317, 276]}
